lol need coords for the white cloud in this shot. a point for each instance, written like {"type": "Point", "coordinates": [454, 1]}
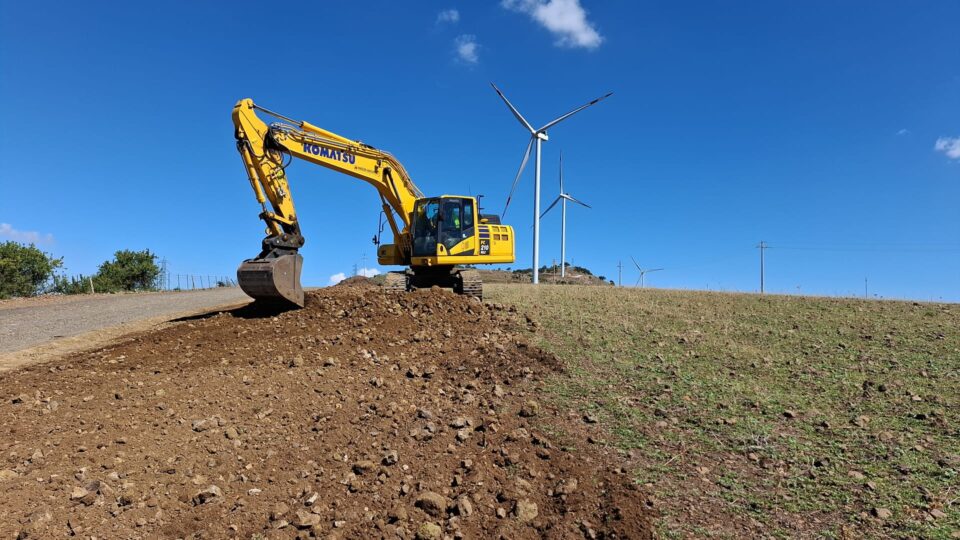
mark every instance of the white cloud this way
{"type": "Point", "coordinates": [903, 131]}
{"type": "Point", "coordinates": [565, 19]}
{"type": "Point", "coordinates": [448, 16]}
{"type": "Point", "coordinates": [337, 278]}
{"type": "Point", "coordinates": [368, 272]}
{"type": "Point", "coordinates": [466, 47]}
{"type": "Point", "coordinates": [26, 237]}
{"type": "Point", "coordinates": [949, 146]}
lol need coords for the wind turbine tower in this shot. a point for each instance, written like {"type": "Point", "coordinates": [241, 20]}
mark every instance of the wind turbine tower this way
{"type": "Point", "coordinates": [538, 136]}
{"type": "Point", "coordinates": [562, 198]}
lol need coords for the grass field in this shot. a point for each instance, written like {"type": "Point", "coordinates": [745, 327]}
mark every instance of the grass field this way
{"type": "Point", "coordinates": [766, 416]}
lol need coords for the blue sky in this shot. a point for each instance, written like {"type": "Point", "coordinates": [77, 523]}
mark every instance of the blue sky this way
{"type": "Point", "coordinates": [828, 129]}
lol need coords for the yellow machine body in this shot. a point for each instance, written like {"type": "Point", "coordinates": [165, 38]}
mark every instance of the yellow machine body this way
{"type": "Point", "coordinates": [432, 235]}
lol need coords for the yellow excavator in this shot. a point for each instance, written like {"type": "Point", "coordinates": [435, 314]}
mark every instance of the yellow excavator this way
{"type": "Point", "coordinates": [431, 235]}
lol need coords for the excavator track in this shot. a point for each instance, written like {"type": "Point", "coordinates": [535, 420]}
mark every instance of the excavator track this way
{"type": "Point", "coordinates": [466, 282]}
{"type": "Point", "coordinates": [396, 282]}
{"type": "Point", "coordinates": [470, 284]}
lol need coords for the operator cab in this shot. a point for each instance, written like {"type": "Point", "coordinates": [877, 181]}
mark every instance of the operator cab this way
{"type": "Point", "coordinates": [441, 223]}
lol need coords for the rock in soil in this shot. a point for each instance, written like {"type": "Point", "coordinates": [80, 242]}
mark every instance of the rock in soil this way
{"type": "Point", "coordinates": [206, 495]}
{"type": "Point", "coordinates": [429, 531]}
{"type": "Point", "coordinates": [230, 423]}
{"type": "Point", "coordinates": [881, 513]}
{"type": "Point", "coordinates": [526, 510]}
{"type": "Point", "coordinates": [432, 503]}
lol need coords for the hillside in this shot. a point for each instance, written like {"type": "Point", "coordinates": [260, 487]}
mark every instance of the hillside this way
{"type": "Point", "coordinates": [758, 416]}
{"type": "Point", "coordinates": [575, 275]}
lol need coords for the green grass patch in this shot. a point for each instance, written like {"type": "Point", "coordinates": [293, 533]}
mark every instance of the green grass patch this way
{"type": "Point", "coordinates": [769, 413]}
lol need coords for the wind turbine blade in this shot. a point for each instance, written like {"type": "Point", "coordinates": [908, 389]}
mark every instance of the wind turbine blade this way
{"type": "Point", "coordinates": [635, 263]}
{"type": "Point", "coordinates": [571, 113]}
{"type": "Point", "coordinates": [654, 269]}
{"type": "Point", "coordinates": [513, 109]}
{"type": "Point", "coordinates": [555, 201]}
{"type": "Point", "coordinates": [526, 157]}
{"type": "Point", "coordinates": [581, 203]}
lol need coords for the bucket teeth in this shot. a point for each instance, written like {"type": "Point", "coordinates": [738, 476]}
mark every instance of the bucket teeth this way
{"type": "Point", "coordinates": [273, 281]}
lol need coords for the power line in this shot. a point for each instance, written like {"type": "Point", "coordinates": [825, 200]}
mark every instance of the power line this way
{"type": "Point", "coordinates": [875, 248]}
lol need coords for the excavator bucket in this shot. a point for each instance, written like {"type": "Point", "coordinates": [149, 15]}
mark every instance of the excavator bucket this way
{"type": "Point", "coordinates": [273, 281]}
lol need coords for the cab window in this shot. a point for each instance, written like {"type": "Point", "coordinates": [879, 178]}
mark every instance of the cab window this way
{"type": "Point", "coordinates": [425, 229]}
{"type": "Point", "coordinates": [451, 223]}
{"type": "Point", "coordinates": [456, 221]}
{"type": "Point", "coordinates": [467, 215]}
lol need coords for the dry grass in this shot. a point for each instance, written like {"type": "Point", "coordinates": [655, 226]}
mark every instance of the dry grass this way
{"type": "Point", "coordinates": [767, 416]}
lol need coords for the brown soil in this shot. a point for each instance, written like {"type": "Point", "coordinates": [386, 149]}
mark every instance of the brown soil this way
{"type": "Point", "coordinates": [360, 416]}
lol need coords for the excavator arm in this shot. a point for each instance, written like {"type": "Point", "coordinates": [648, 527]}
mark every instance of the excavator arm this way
{"type": "Point", "coordinates": [266, 151]}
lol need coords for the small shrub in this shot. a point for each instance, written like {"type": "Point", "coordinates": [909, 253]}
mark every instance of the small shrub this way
{"type": "Point", "coordinates": [25, 270]}
{"type": "Point", "coordinates": [128, 271]}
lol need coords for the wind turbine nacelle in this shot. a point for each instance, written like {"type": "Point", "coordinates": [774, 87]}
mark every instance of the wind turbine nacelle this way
{"type": "Point", "coordinates": [542, 135]}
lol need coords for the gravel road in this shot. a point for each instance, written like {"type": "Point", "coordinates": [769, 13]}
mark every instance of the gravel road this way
{"type": "Point", "coordinates": [29, 326]}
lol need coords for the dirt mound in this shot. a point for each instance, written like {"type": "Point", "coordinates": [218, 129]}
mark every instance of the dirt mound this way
{"type": "Point", "coordinates": [362, 415]}
{"type": "Point", "coordinates": [356, 281]}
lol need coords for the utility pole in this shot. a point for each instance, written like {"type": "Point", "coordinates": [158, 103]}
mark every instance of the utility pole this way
{"type": "Point", "coordinates": [865, 295]}
{"type": "Point", "coordinates": [164, 276]}
{"type": "Point", "coordinates": [763, 245]}
{"type": "Point", "coordinates": [619, 273]}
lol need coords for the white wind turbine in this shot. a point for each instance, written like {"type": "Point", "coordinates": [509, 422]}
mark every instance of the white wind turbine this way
{"type": "Point", "coordinates": [562, 198]}
{"type": "Point", "coordinates": [643, 272]}
{"type": "Point", "coordinates": [538, 136]}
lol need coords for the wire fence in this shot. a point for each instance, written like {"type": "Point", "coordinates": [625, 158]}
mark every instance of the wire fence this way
{"type": "Point", "coordinates": [168, 281]}
{"type": "Point", "coordinates": [165, 281]}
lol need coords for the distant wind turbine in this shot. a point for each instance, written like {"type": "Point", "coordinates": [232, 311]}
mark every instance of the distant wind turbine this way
{"type": "Point", "coordinates": [562, 198]}
{"type": "Point", "coordinates": [538, 136]}
{"type": "Point", "coordinates": [643, 272]}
